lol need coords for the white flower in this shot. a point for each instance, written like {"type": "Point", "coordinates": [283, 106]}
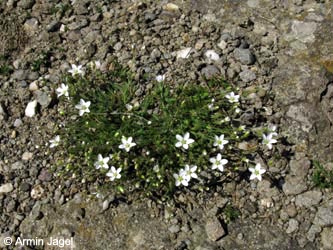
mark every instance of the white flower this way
{"type": "Point", "coordinates": [220, 142]}
{"type": "Point", "coordinates": [126, 143]}
{"type": "Point", "coordinates": [227, 119]}
{"type": "Point", "coordinates": [181, 178]}
{"type": "Point", "coordinates": [256, 172]}
{"type": "Point", "coordinates": [237, 110]}
{"type": "Point", "coordinates": [76, 70]}
{"type": "Point", "coordinates": [156, 168]}
{"type": "Point", "coordinates": [30, 110]}
{"type": "Point", "coordinates": [190, 171]}
{"type": "Point", "coordinates": [232, 97]}
{"type": "Point", "coordinates": [272, 129]}
{"type": "Point", "coordinates": [83, 107]}
{"type": "Point", "coordinates": [63, 90]}
{"type": "Point", "coordinates": [268, 140]}
{"type": "Point", "coordinates": [184, 141]}
{"type": "Point", "coordinates": [160, 78]}
{"type": "Point", "coordinates": [114, 173]}
{"type": "Point", "coordinates": [101, 162]}
{"type": "Point", "coordinates": [218, 162]}
{"type": "Point", "coordinates": [55, 142]}
{"type": "Point", "coordinates": [211, 106]}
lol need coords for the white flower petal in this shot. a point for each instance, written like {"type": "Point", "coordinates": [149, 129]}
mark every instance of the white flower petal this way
{"type": "Point", "coordinates": [179, 137]}
{"type": "Point", "coordinates": [189, 141]}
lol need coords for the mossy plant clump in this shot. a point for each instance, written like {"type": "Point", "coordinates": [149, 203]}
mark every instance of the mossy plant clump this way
{"type": "Point", "coordinates": [171, 136]}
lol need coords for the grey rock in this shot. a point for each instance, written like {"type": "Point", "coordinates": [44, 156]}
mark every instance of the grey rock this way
{"type": "Point", "coordinates": [222, 44]}
{"type": "Point", "coordinates": [324, 215]}
{"type": "Point", "coordinates": [45, 175]}
{"type": "Point", "coordinates": [155, 54]}
{"type": "Point", "coordinates": [292, 226]}
{"type": "Point", "coordinates": [17, 165]}
{"type": "Point", "coordinates": [253, 3]}
{"type": "Point", "coordinates": [25, 187]}
{"type": "Point", "coordinates": [299, 113]}
{"type": "Point", "coordinates": [265, 189]}
{"type": "Point", "coordinates": [291, 210]}
{"type": "Point", "coordinates": [226, 37]}
{"type": "Point", "coordinates": [33, 86]}
{"type": "Point", "coordinates": [300, 167]}
{"type": "Point", "coordinates": [245, 56]}
{"type": "Point", "coordinates": [3, 114]}
{"type": "Point", "coordinates": [26, 4]}
{"type": "Point", "coordinates": [33, 76]}
{"type": "Point", "coordinates": [210, 71]}
{"type": "Point", "coordinates": [247, 75]}
{"type": "Point", "coordinates": [150, 17]}
{"type": "Point", "coordinates": [327, 238]}
{"type": "Point", "coordinates": [17, 123]}
{"type": "Point", "coordinates": [118, 46]}
{"type": "Point", "coordinates": [313, 232]}
{"type": "Point", "coordinates": [36, 214]}
{"type": "Point", "coordinates": [87, 51]}
{"type": "Point", "coordinates": [6, 188]}
{"type": "Point", "coordinates": [43, 98]}
{"type": "Point", "coordinates": [263, 237]}
{"type": "Point", "coordinates": [174, 229]}
{"type": "Point", "coordinates": [2, 111]}
{"type": "Point", "coordinates": [214, 229]}
{"type": "Point", "coordinates": [31, 26]}
{"type": "Point", "coordinates": [106, 205]}
{"type": "Point", "coordinates": [308, 199]}
{"type": "Point", "coordinates": [19, 74]}
{"type": "Point", "coordinates": [295, 182]}
{"type": "Point", "coordinates": [11, 206]}
{"type": "Point", "coordinates": [294, 185]}
{"type": "Point", "coordinates": [78, 25]}
{"type": "Point", "coordinates": [124, 227]}
{"type": "Point", "coordinates": [303, 31]}
{"type": "Point", "coordinates": [80, 7]}
{"type": "Point", "coordinates": [27, 156]}
{"type": "Point", "coordinates": [53, 26]}
{"type": "Point", "coordinates": [74, 35]}
{"type": "Point", "coordinates": [204, 248]}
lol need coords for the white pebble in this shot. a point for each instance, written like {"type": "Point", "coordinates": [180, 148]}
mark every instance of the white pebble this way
{"type": "Point", "coordinates": [30, 109]}
{"type": "Point", "coordinates": [212, 55]}
{"type": "Point", "coordinates": [184, 53]}
{"type": "Point", "coordinates": [6, 188]}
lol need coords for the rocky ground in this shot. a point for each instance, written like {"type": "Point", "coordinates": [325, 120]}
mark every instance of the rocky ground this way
{"type": "Point", "coordinates": [281, 49]}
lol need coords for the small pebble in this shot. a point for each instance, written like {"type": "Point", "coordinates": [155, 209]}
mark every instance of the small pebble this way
{"type": "Point", "coordinates": [27, 156]}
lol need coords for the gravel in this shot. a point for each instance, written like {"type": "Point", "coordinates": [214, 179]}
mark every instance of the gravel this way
{"type": "Point", "coordinates": [214, 229]}
{"type": "Point", "coordinates": [245, 56]}
{"type": "Point", "coordinates": [6, 188]}
{"type": "Point", "coordinates": [288, 59]}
